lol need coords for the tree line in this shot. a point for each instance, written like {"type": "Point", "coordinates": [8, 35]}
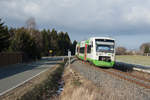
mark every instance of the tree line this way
{"type": "Point", "coordinates": [35, 43]}
{"type": "Point", "coordinates": [144, 49]}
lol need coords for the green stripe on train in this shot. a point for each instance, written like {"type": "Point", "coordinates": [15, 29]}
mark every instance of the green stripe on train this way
{"type": "Point", "coordinates": [103, 63]}
{"type": "Point", "coordinates": [99, 63]}
{"type": "Point", "coordinates": [81, 57]}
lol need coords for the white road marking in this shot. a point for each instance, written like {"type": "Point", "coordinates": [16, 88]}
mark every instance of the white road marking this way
{"type": "Point", "coordinates": [22, 83]}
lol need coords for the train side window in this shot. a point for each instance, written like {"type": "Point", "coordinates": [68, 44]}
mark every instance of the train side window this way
{"type": "Point", "coordinates": [81, 49]}
{"type": "Point", "coordinates": [92, 44]}
{"type": "Point", "coordinates": [89, 49]}
{"type": "Point", "coordinates": [77, 49]}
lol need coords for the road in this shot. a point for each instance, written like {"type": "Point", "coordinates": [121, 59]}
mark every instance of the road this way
{"type": "Point", "coordinates": [11, 77]}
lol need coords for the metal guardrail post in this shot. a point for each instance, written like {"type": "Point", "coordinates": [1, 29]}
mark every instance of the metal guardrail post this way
{"type": "Point", "coordinates": [69, 55]}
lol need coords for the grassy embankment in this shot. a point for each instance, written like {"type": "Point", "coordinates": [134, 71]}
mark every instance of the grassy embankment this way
{"type": "Point", "coordinates": [47, 88]}
{"type": "Point", "coordinates": [134, 59]}
{"type": "Point", "coordinates": [77, 87]}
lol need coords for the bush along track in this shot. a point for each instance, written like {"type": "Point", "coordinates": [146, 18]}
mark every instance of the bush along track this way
{"type": "Point", "coordinates": [46, 89]}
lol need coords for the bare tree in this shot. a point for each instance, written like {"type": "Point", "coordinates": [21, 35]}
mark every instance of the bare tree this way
{"type": "Point", "coordinates": [31, 23]}
{"type": "Point", "coordinates": [144, 46]}
{"type": "Point", "coordinates": [145, 49]}
{"type": "Point", "coordinates": [121, 50]}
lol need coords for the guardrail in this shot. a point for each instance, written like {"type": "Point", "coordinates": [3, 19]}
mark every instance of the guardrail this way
{"type": "Point", "coordinates": [130, 67]}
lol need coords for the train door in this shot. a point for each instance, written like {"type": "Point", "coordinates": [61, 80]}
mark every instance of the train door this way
{"type": "Point", "coordinates": [85, 52]}
{"type": "Point", "coordinates": [78, 50]}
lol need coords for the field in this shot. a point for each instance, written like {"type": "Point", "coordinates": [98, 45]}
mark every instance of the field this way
{"type": "Point", "coordinates": [134, 59]}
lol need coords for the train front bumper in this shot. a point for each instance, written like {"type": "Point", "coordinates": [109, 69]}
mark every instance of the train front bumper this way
{"type": "Point", "coordinates": [103, 63]}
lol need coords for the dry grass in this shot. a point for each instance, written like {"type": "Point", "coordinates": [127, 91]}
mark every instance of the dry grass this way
{"type": "Point", "coordinates": [134, 59]}
{"type": "Point", "coordinates": [78, 88]}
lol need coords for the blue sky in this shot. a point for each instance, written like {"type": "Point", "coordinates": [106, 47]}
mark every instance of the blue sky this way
{"type": "Point", "coordinates": [128, 21]}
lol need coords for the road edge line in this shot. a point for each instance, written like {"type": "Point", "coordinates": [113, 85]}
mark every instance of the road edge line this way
{"type": "Point", "coordinates": [22, 82]}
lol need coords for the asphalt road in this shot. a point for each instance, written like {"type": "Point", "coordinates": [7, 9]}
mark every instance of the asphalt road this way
{"type": "Point", "coordinates": [11, 77]}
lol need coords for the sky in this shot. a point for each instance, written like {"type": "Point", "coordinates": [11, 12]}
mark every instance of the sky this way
{"type": "Point", "coordinates": [127, 21]}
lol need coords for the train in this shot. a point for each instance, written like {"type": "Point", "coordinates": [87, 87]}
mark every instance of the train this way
{"type": "Point", "coordinates": [99, 51]}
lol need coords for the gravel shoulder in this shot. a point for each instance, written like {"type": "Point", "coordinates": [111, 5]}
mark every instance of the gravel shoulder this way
{"type": "Point", "coordinates": [141, 74]}
{"type": "Point", "coordinates": [111, 88]}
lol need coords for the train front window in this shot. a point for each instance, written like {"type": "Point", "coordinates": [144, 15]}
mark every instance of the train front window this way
{"type": "Point", "coordinates": [104, 48]}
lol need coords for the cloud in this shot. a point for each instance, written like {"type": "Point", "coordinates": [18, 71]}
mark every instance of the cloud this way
{"type": "Point", "coordinates": [85, 13]}
{"type": "Point", "coordinates": [116, 17]}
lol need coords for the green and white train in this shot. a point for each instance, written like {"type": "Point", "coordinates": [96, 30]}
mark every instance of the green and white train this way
{"type": "Point", "coordinates": [97, 50]}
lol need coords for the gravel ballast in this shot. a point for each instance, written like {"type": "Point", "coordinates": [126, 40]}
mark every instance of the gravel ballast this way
{"type": "Point", "coordinates": [112, 88]}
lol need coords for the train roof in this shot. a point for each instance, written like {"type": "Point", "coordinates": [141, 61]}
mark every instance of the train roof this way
{"type": "Point", "coordinates": [86, 41]}
{"type": "Point", "coordinates": [102, 38]}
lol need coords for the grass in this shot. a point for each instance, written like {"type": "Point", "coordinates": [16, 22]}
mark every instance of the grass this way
{"type": "Point", "coordinates": [77, 87]}
{"type": "Point", "coordinates": [76, 82]}
{"type": "Point", "coordinates": [134, 59]}
{"type": "Point", "coordinates": [47, 88]}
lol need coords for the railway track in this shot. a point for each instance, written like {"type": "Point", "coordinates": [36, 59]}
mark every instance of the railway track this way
{"type": "Point", "coordinates": [138, 80]}
{"type": "Point", "coordinates": [128, 77]}
{"type": "Point", "coordinates": [134, 76]}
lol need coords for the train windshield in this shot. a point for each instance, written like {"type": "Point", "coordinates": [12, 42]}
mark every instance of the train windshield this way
{"type": "Point", "coordinates": [104, 48]}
